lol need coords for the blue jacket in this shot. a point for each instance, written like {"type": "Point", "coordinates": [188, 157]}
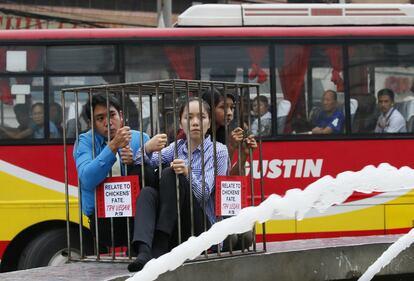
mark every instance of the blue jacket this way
{"type": "Point", "coordinates": [92, 172]}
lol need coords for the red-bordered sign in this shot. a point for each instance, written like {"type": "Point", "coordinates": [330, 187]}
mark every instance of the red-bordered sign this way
{"type": "Point", "coordinates": [231, 194]}
{"type": "Point", "coordinates": [116, 196]}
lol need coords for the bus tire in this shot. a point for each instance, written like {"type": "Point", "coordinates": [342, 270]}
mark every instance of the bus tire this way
{"type": "Point", "coordinates": [48, 248]}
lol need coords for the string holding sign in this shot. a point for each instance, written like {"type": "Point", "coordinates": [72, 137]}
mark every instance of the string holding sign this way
{"type": "Point", "coordinates": [116, 196]}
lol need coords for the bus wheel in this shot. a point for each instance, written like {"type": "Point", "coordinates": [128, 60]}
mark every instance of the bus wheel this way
{"type": "Point", "coordinates": [49, 248]}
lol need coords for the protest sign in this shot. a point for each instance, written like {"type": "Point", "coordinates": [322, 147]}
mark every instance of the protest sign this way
{"type": "Point", "coordinates": [116, 196]}
{"type": "Point", "coordinates": [231, 195]}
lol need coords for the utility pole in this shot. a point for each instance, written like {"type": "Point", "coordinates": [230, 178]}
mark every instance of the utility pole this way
{"type": "Point", "coordinates": [164, 13]}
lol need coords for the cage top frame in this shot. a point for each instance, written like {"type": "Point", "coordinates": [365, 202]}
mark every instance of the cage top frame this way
{"type": "Point", "coordinates": [162, 86]}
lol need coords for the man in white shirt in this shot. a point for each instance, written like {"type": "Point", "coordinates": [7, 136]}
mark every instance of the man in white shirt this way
{"type": "Point", "coordinates": [390, 120]}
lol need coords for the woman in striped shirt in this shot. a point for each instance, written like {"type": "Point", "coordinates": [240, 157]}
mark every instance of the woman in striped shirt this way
{"type": "Point", "coordinates": [157, 210]}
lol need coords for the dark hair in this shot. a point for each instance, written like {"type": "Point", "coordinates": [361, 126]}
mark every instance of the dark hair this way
{"type": "Point", "coordinates": [37, 104]}
{"type": "Point", "coordinates": [21, 108]}
{"type": "Point", "coordinates": [386, 92]}
{"type": "Point", "coordinates": [262, 99]}
{"type": "Point", "coordinates": [101, 100]}
{"type": "Point", "coordinates": [185, 104]}
{"type": "Point", "coordinates": [334, 94]}
{"type": "Point", "coordinates": [58, 116]}
{"type": "Point", "coordinates": [217, 96]}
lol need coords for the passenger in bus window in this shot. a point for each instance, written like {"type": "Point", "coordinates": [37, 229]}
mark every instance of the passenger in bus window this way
{"type": "Point", "coordinates": [132, 114]}
{"type": "Point", "coordinates": [22, 113]}
{"type": "Point", "coordinates": [223, 110]}
{"type": "Point", "coordinates": [55, 115]}
{"type": "Point", "coordinates": [109, 156]}
{"type": "Point", "coordinates": [390, 119]}
{"type": "Point", "coordinates": [260, 106]}
{"type": "Point", "coordinates": [83, 123]}
{"type": "Point", "coordinates": [36, 127]}
{"type": "Point", "coordinates": [330, 119]}
{"type": "Point", "coordinates": [156, 213]}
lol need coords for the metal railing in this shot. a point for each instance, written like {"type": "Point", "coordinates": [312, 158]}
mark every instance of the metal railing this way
{"type": "Point", "coordinates": [157, 103]}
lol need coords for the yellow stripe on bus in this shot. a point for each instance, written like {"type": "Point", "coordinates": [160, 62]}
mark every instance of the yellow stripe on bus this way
{"type": "Point", "coordinates": [20, 214]}
{"type": "Point", "coordinates": [394, 214]}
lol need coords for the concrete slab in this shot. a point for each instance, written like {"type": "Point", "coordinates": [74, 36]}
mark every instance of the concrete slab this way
{"type": "Point", "coordinates": [77, 271]}
{"type": "Point", "coordinates": [305, 260]}
{"type": "Point", "coordinates": [312, 259]}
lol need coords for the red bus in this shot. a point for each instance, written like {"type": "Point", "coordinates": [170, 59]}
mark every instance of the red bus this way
{"type": "Point", "coordinates": [294, 66]}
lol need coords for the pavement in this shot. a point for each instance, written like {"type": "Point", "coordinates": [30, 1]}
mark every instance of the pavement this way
{"type": "Point", "coordinates": [310, 259]}
{"type": "Point", "coordinates": [79, 271]}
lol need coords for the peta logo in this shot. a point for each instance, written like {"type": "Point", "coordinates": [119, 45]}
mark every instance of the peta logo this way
{"type": "Point", "coordinates": [288, 168]}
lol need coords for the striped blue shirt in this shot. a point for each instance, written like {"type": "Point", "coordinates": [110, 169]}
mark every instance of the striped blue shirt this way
{"type": "Point", "coordinates": [167, 156]}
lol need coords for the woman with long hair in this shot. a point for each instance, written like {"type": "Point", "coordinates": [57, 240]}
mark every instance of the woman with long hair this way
{"type": "Point", "coordinates": [156, 210]}
{"type": "Point", "coordinates": [223, 106]}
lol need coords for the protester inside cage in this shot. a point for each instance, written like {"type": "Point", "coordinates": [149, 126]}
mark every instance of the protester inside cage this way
{"type": "Point", "coordinates": [156, 212]}
{"type": "Point", "coordinates": [223, 106]}
{"type": "Point", "coordinates": [108, 155]}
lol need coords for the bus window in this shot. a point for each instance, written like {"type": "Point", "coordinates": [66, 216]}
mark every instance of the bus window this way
{"type": "Point", "coordinates": [81, 59]}
{"type": "Point", "coordinates": [55, 106]}
{"type": "Point", "coordinates": [22, 108]}
{"type": "Point", "coordinates": [373, 67]}
{"type": "Point", "coordinates": [21, 59]}
{"type": "Point", "coordinates": [149, 63]}
{"type": "Point", "coordinates": [310, 89]}
{"type": "Point", "coordinates": [234, 63]}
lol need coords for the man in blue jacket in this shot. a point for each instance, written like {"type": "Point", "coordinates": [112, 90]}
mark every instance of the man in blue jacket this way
{"type": "Point", "coordinates": [94, 168]}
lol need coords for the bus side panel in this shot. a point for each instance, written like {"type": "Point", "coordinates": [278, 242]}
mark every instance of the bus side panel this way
{"type": "Point", "coordinates": [45, 160]}
{"type": "Point", "coordinates": [33, 180]}
{"type": "Point", "coordinates": [296, 164]}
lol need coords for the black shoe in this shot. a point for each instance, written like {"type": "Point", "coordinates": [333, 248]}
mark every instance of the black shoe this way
{"type": "Point", "coordinates": [138, 264]}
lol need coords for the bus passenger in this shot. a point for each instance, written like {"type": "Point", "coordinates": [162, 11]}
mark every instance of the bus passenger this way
{"type": "Point", "coordinates": [262, 112]}
{"type": "Point", "coordinates": [157, 211]}
{"type": "Point", "coordinates": [36, 127]}
{"type": "Point", "coordinates": [224, 112]}
{"type": "Point", "coordinates": [330, 119]}
{"type": "Point", "coordinates": [390, 120]}
{"type": "Point", "coordinates": [22, 113]}
{"type": "Point", "coordinates": [55, 115]}
{"type": "Point", "coordinates": [109, 154]}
